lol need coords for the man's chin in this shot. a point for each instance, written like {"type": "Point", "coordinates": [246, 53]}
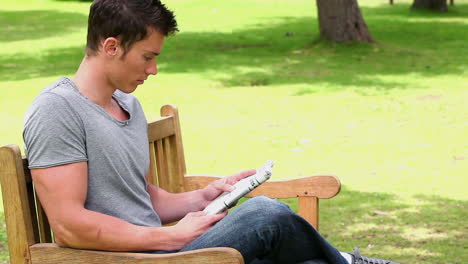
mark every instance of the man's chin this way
{"type": "Point", "coordinates": [129, 90]}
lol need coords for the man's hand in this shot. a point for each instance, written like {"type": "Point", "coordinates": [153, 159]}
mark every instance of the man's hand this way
{"type": "Point", "coordinates": [225, 184]}
{"type": "Point", "coordinates": [194, 201]}
{"type": "Point", "coordinates": [192, 226]}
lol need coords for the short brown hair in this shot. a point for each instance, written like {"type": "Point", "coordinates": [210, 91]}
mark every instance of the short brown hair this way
{"type": "Point", "coordinates": [127, 20]}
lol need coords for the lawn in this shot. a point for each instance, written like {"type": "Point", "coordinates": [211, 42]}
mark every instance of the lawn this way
{"type": "Point", "coordinates": [253, 83]}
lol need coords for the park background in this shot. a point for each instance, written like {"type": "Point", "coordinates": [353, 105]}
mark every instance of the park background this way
{"type": "Point", "coordinates": [252, 83]}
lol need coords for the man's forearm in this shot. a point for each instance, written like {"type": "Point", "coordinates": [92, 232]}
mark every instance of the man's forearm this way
{"type": "Point", "coordinates": [92, 230]}
{"type": "Point", "coordinates": [173, 206]}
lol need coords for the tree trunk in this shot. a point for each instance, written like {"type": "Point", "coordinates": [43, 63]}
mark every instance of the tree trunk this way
{"type": "Point", "coordinates": [341, 21]}
{"type": "Point", "coordinates": [438, 5]}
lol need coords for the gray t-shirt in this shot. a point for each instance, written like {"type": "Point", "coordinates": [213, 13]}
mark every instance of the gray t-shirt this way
{"type": "Point", "coordinates": [62, 126]}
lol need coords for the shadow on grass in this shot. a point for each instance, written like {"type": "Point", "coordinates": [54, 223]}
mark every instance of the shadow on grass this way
{"type": "Point", "coordinates": [37, 24]}
{"type": "Point", "coordinates": [283, 51]}
{"type": "Point", "coordinates": [430, 229]}
{"type": "Point", "coordinates": [404, 11]}
{"type": "Point", "coordinates": [54, 62]}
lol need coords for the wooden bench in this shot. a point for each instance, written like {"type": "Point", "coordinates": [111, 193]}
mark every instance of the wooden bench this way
{"type": "Point", "coordinates": [30, 238]}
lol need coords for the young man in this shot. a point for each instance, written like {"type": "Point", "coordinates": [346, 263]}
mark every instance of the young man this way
{"type": "Point", "coordinates": [86, 141]}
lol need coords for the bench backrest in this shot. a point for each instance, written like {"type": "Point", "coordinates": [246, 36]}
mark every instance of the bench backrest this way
{"type": "Point", "coordinates": [167, 168]}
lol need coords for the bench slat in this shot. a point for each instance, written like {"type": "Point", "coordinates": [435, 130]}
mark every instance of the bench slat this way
{"type": "Point", "coordinates": [53, 254]}
{"type": "Point", "coordinates": [317, 186]}
{"type": "Point", "coordinates": [161, 128]}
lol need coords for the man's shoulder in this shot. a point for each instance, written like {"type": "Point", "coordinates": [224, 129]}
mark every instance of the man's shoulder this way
{"type": "Point", "coordinates": [58, 95]}
{"type": "Point", "coordinates": [52, 99]}
{"type": "Point", "coordinates": [63, 87]}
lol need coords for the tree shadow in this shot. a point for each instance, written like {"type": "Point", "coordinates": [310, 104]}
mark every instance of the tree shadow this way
{"type": "Point", "coordinates": [430, 229]}
{"type": "Point", "coordinates": [404, 11]}
{"type": "Point", "coordinates": [284, 53]}
{"type": "Point", "coordinates": [37, 24]}
{"type": "Point", "coordinates": [54, 62]}
{"type": "Point", "coordinates": [285, 50]}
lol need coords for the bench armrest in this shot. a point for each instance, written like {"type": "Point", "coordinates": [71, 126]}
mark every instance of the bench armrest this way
{"type": "Point", "coordinates": [325, 186]}
{"type": "Point", "coordinates": [49, 253]}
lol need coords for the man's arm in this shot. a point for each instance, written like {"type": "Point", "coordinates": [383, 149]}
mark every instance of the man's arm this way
{"type": "Point", "coordinates": [173, 206]}
{"type": "Point", "coordinates": [62, 191]}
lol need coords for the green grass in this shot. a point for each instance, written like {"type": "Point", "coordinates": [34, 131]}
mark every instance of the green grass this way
{"type": "Point", "coordinates": [253, 83]}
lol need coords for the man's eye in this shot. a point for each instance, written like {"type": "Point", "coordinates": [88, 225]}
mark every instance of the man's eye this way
{"type": "Point", "coordinates": [148, 58]}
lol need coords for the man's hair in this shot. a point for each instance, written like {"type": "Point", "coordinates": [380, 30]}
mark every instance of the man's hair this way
{"type": "Point", "coordinates": [127, 20]}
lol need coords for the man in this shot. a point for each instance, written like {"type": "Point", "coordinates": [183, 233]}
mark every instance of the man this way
{"type": "Point", "coordinates": [86, 141]}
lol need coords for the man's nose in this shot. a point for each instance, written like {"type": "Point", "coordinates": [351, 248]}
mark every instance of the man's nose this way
{"type": "Point", "coordinates": [152, 69]}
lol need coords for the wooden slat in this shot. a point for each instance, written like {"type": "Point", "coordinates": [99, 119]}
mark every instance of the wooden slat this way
{"type": "Point", "coordinates": [177, 170]}
{"type": "Point", "coordinates": [32, 210]}
{"type": "Point", "coordinates": [161, 128]}
{"type": "Point", "coordinates": [169, 165]}
{"type": "Point", "coordinates": [152, 169]}
{"type": "Point", "coordinates": [31, 199]}
{"type": "Point", "coordinates": [26, 171]}
{"type": "Point", "coordinates": [161, 164]}
{"type": "Point", "coordinates": [309, 209]}
{"type": "Point", "coordinates": [16, 205]}
{"type": "Point", "coordinates": [44, 226]}
{"type": "Point", "coordinates": [52, 254]}
{"type": "Point", "coordinates": [171, 110]}
{"type": "Point", "coordinates": [318, 186]}
{"type": "Point", "coordinates": [176, 178]}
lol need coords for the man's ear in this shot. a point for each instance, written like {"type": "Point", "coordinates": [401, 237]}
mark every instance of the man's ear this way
{"type": "Point", "coordinates": [111, 46]}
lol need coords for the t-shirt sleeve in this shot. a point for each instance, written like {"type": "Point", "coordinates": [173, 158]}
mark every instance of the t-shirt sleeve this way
{"type": "Point", "coordinates": [53, 133]}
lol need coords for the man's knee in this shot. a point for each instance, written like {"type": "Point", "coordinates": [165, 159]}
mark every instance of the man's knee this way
{"type": "Point", "coordinates": [263, 207]}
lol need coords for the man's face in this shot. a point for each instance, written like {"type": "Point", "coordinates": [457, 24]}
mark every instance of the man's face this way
{"type": "Point", "coordinates": [132, 69]}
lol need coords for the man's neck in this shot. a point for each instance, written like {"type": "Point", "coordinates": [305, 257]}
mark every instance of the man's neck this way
{"type": "Point", "coordinates": [92, 82]}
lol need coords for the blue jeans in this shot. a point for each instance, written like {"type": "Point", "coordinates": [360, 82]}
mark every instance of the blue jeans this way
{"type": "Point", "coordinates": [267, 231]}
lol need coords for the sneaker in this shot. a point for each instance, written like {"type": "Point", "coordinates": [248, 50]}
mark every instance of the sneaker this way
{"type": "Point", "coordinates": [358, 259]}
